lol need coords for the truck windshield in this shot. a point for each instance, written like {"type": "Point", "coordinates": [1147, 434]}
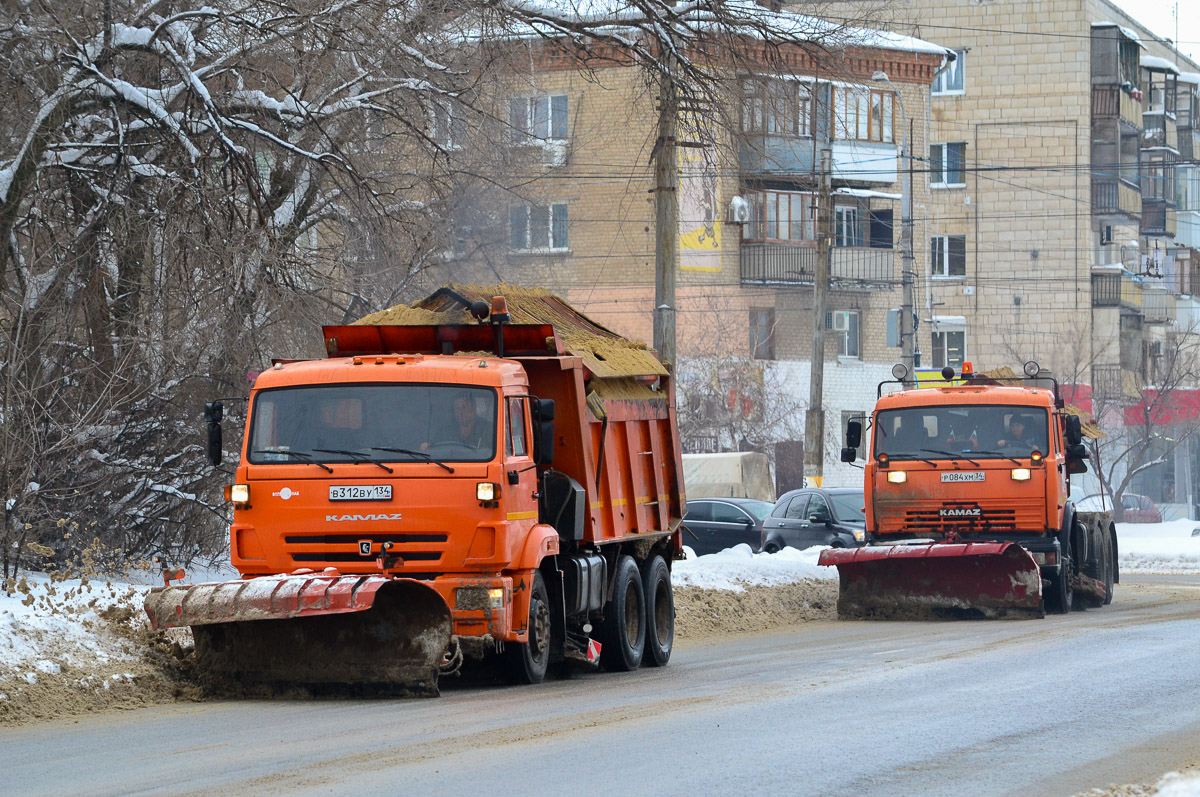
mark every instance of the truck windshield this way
{"type": "Point", "coordinates": [977, 431]}
{"type": "Point", "coordinates": [358, 423]}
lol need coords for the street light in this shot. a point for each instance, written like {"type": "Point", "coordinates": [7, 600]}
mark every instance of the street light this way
{"type": "Point", "coordinates": [907, 333]}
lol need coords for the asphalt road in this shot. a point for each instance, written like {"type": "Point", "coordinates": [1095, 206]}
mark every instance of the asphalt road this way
{"type": "Point", "coordinates": [1033, 707]}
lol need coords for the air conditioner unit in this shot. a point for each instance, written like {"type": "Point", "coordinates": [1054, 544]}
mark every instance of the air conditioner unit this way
{"type": "Point", "coordinates": [838, 321]}
{"type": "Point", "coordinates": [739, 211]}
{"type": "Point", "coordinates": [554, 153]}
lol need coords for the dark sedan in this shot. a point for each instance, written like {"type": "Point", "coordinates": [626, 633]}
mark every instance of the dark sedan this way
{"type": "Point", "coordinates": [816, 516]}
{"type": "Point", "coordinates": [714, 524]}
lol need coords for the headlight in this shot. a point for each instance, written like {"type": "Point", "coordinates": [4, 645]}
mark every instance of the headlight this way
{"type": "Point", "coordinates": [239, 493]}
{"type": "Point", "coordinates": [496, 598]}
{"type": "Point", "coordinates": [897, 476]}
{"type": "Point", "coordinates": [487, 491]}
{"type": "Point", "coordinates": [1020, 474]}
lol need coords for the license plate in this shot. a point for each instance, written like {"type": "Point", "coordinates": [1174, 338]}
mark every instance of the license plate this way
{"type": "Point", "coordinates": [963, 476]}
{"type": "Point", "coordinates": [360, 492]}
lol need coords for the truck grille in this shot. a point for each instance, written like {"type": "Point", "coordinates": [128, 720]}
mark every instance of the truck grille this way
{"type": "Point", "coordinates": [927, 516]}
{"type": "Point", "coordinates": [990, 519]}
{"type": "Point", "coordinates": [343, 548]}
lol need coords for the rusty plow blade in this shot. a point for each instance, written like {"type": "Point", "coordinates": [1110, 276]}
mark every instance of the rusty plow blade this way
{"type": "Point", "coordinates": [966, 580]}
{"type": "Point", "coordinates": [321, 630]}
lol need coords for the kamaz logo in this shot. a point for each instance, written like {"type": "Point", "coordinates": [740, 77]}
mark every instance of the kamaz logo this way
{"type": "Point", "coordinates": [960, 511]}
{"type": "Point", "coordinates": [340, 518]}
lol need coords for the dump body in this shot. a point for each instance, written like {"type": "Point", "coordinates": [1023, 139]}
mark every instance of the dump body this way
{"type": "Point", "coordinates": [417, 454]}
{"type": "Point", "coordinates": [968, 508]}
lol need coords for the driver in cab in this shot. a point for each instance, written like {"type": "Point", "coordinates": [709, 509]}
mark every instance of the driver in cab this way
{"type": "Point", "coordinates": [1018, 437]}
{"type": "Point", "coordinates": [467, 430]}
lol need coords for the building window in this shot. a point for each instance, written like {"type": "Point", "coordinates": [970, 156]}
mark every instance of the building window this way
{"type": "Point", "coordinates": [951, 81]}
{"type": "Point", "coordinates": [777, 107]}
{"type": "Point", "coordinates": [844, 325]}
{"type": "Point", "coordinates": [532, 120]}
{"type": "Point", "coordinates": [949, 348]}
{"type": "Point", "coordinates": [948, 255]}
{"type": "Point", "coordinates": [946, 165]}
{"type": "Point", "coordinates": [534, 227]}
{"type": "Point", "coordinates": [762, 333]}
{"type": "Point", "coordinates": [882, 229]}
{"type": "Point", "coordinates": [782, 216]}
{"type": "Point", "coordinates": [446, 127]}
{"type": "Point", "coordinates": [848, 226]}
{"type": "Point", "coordinates": [863, 114]}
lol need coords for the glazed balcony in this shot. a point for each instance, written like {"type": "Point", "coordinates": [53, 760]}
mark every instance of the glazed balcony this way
{"type": "Point", "coordinates": [795, 264]}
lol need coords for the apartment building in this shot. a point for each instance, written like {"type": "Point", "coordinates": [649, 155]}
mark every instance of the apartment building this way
{"type": "Point", "coordinates": [583, 223]}
{"type": "Point", "coordinates": [1062, 175]}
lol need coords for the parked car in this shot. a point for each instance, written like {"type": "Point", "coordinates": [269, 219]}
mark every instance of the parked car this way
{"type": "Point", "coordinates": [816, 516]}
{"type": "Point", "coordinates": [714, 524]}
{"type": "Point", "coordinates": [1134, 508]}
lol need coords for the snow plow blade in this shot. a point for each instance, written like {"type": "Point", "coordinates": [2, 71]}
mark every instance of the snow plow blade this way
{"type": "Point", "coordinates": [966, 580]}
{"type": "Point", "coordinates": [320, 629]}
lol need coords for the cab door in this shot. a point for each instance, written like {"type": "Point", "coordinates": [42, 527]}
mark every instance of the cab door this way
{"type": "Point", "coordinates": [520, 481]}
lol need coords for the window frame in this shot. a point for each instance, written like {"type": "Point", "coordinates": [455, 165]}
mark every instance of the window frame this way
{"type": "Point", "coordinates": [942, 172]}
{"type": "Point", "coordinates": [855, 117]}
{"type": "Point", "coordinates": [959, 66]}
{"type": "Point", "coordinates": [941, 256]}
{"type": "Point", "coordinates": [538, 111]}
{"type": "Point", "coordinates": [840, 228]}
{"type": "Point", "coordinates": [762, 222]}
{"type": "Point", "coordinates": [762, 346]}
{"type": "Point", "coordinates": [557, 219]}
{"type": "Point", "coordinates": [767, 101]}
{"type": "Point", "coordinates": [853, 333]}
{"type": "Point", "coordinates": [944, 348]}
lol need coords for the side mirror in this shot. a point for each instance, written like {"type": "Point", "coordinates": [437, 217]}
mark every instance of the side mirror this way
{"type": "Point", "coordinates": [849, 454]}
{"type": "Point", "coordinates": [214, 411]}
{"type": "Point", "coordinates": [1073, 431]}
{"type": "Point", "coordinates": [543, 440]}
{"type": "Point", "coordinates": [542, 409]}
{"type": "Point", "coordinates": [853, 434]}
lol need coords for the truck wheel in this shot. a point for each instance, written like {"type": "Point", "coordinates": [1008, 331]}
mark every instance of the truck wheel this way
{"type": "Point", "coordinates": [1099, 567]}
{"type": "Point", "coordinates": [624, 631]}
{"type": "Point", "coordinates": [526, 662]}
{"type": "Point", "coordinates": [660, 611]}
{"type": "Point", "coordinates": [1058, 600]}
{"type": "Point", "coordinates": [1110, 562]}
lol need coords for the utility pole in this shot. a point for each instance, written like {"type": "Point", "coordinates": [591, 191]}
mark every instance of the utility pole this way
{"type": "Point", "coordinates": [666, 214]}
{"type": "Point", "coordinates": [907, 328]}
{"type": "Point", "coordinates": [814, 419]}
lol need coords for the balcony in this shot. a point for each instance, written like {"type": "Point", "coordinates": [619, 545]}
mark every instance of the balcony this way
{"type": "Point", "coordinates": [1111, 101]}
{"type": "Point", "coordinates": [1158, 305]}
{"type": "Point", "coordinates": [1189, 144]}
{"type": "Point", "coordinates": [794, 264]}
{"type": "Point", "coordinates": [762, 155]}
{"type": "Point", "coordinates": [1116, 198]}
{"type": "Point", "coordinates": [1158, 218]}
{"type": "Point", "coordinates": [1159, 130]}
{"type": "Point", "coordinates": [1116, 288]}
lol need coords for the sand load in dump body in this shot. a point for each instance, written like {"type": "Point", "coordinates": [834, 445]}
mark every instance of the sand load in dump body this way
{"type": "Point", "coordinates": [976, 579]}
{"type": "Point", "coordinates": [391, 633]}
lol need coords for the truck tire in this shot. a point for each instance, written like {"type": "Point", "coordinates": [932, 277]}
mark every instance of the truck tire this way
{"type": "Point", "coordinates": [1110, 558]}
{"type": "Point", "coordinates": [624, 629]}
{"type": "Point", "coordinates": [660, 612]}
{"type": "Point", "coordinates": [1099, 567]}
{"type": "Point", "coordinates": [526, 662]}
{"type": "Point", "coordinates": [1061, 595]}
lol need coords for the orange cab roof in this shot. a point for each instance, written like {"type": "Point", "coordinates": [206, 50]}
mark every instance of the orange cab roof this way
{"type": "Point", "coordinates": [967, 394]}
{"type": "Point", "coordinates": [449, 369]}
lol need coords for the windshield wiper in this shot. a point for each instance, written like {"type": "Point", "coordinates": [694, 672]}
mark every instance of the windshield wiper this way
{"type": "Point", "coordinates": [303, 456]}
{"type": "Point", "coordinates": [998, 454]}
{"type": "Point", "coordinates": [954, 457]}
{"type": "Point", "coordinates": [912, 457]}
{"type": "Point", "coordinates": [414, 453]}
{"type": "Point", "coordinates": [358, 456]}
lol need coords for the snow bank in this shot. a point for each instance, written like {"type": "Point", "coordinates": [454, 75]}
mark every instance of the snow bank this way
{"type": "Point", "coordinates": [738, 567]}
{"type": "Point", "coordinates": [1167, 548]}
{"type": "Point", "coordinates": [1174, 784]}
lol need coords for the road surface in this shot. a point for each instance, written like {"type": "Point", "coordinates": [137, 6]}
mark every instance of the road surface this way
{"type": "Point", "coordinates": [1048, 707]}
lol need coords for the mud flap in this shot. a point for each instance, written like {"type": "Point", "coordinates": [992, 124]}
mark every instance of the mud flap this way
{"type": "Point", "coordinates": [966, 580]}
{"type": "Point", "coordinates": [320, 630]}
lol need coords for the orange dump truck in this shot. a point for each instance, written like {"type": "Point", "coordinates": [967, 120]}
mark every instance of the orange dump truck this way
{"type": "Point", "coordinates": [482, 471]}
{"type": "Point", "coordinates": [968, 507]}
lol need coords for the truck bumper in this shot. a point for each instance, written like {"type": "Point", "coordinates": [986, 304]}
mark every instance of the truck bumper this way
{"type": "Point", "coordinates": [485, 606]}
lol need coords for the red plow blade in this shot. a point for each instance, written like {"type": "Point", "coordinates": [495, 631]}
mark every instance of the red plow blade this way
{"type": "Point", "coordinates": [973, 579]}
{"type": "Point", "coordinates": [313, 629]}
